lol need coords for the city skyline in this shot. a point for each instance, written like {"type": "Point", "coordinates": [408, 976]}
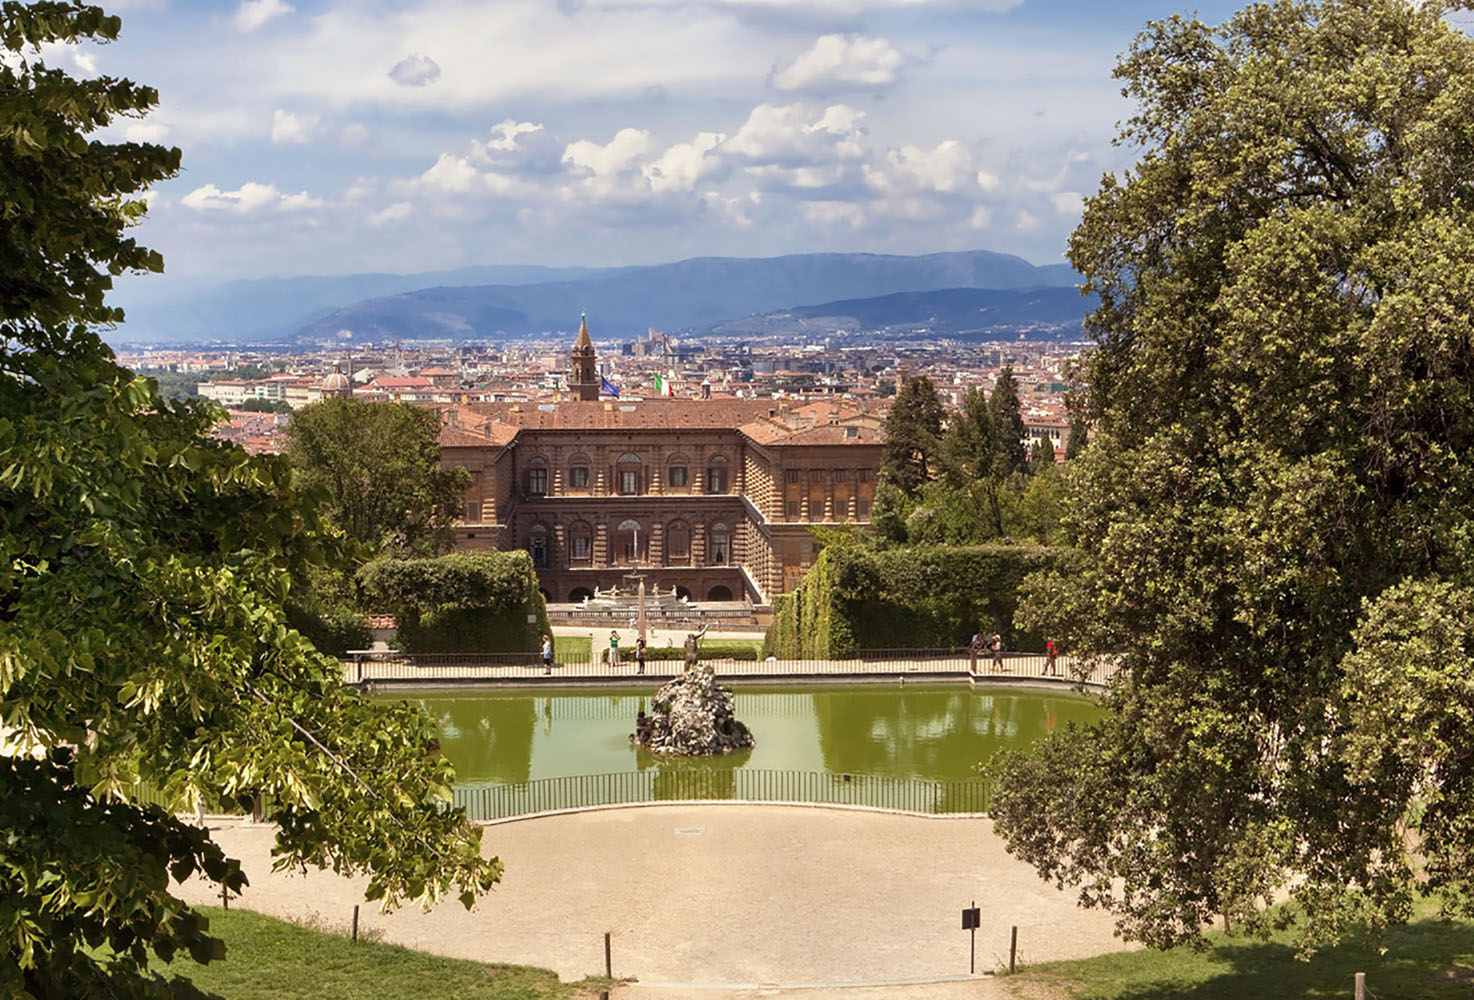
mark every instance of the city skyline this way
{"type": "Point", "coordinates": [326, 137]}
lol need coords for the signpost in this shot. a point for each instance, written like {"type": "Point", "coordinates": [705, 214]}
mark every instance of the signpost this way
{"type": "Point", "coordinates": [971, 918]}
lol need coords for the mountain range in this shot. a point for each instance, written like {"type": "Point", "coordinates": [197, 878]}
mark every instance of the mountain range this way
{"type": "Point", "coordinates": [691, 296]}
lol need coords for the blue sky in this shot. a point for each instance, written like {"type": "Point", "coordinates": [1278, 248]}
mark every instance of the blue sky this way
{"type": "Point", "coordinates": [338, 136]}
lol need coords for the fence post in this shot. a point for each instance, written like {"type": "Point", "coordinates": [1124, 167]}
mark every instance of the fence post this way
{"type": "Point", "coordinates": [1012, 947]}
{"type": "Point", "coordinates": [608, 959]}
{"type": "Point", "coordinates": [1361, 986]}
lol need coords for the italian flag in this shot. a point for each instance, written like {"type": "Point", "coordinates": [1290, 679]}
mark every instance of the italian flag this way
{"type": "Point", "coordinates": [663, 386]}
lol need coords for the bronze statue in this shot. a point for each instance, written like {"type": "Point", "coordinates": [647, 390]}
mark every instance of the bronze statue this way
{"type": "Point", "coordinates": [692, 650]}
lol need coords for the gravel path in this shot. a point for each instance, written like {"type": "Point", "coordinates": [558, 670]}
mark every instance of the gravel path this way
{"type": "Point", "coordinates": [725, 901]}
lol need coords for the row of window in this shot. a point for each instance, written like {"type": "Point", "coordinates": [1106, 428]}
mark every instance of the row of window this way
{"type": "Point", "coordinates": [628, 480]}
{"type": "Point", "coordinates": [794, 509]}
{"type": "Point", "coordinates": [630, 543]}
{"type": "Point", "coordinates": [817, 475]}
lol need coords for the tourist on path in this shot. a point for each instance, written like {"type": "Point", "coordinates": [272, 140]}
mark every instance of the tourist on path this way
{"type": "Point", "coordinates": [1050, 652]}
{"type": "Point", "coordinates": [997, 647]}
{"type": "Point", "coordinates": [613, 648]}
{"type": "Point", "coordinates": [547, 654]}
{"type": "Point", "coordinates": [640, 654]}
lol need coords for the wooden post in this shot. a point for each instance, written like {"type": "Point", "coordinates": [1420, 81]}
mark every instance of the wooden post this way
{"type": "Point", "coordinates": [1013, 947]}
{"type": "Point", "coordinates": [224, 895]}
{"type": "Point", "coordinates": [1361, 986]}
{"type": "Point", "coordinates": [355, 921]}
{"type": "Point", "coordinates": [608, 963]}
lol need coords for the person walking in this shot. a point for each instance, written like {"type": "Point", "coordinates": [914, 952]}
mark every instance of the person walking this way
{"type": "Point", "coordinates": [1050, 652]}
{"type": "Point", "coordinates": [547, 654]}
{"type": "Point", "coordinates": [974, 647]}
{"type": "Point", "coordinates": [614, 647]}
{"type": "Point", "coordinates": [640, 654]}
{"type": "Point", "coordinates": [997, 647]}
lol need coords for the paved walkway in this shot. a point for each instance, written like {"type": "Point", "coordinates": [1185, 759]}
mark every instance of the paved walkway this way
{"type": "Point", "coordinates": [725, 901]}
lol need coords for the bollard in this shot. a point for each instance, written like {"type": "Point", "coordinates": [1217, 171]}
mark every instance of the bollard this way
{"type": "Point", "coordinates": [355, 922]}
{"type": "Point", "coordinates": [1012, 947]}
{"type": "Point", "coordinates": [608, 962]}
{"type": "Point", "coordinates": [1361, 986]}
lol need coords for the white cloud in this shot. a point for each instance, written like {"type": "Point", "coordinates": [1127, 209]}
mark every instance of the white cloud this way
{"type": "Point", "coordinates": [451, 174]}
{"type": "Point", "coordinates": [619, 154]}
{"type": "Point", "coordinates": [249, 198]}
{"type": "Point", "coordinates": [287, 127]}
{"type": "Point", "coordinates": [790, 134]}
{"type": "Point", "coordinates": [1025, 222]}
{"type": "Point", "coordinates": [839, 63]}
{"type": "Point", "coordinates": [981, 217]}
{"type": "Point", "coordinates": [833, 213]}
{"type": "Point", "coordinates": [355, 134]}
{"type": "Point", "coordinates": [397, 212]}
{"type": "Point", "coordinates": [252, 14]}
{"type": "Point", "coordinates": [415, 70]}
{"type": "Point", "coordinates": [683, 165]}
{"type": "Point", "coordinates": [947, 169]}
{"type": "Point", "coordinates": [1067, 202]}
{"type": "Point", "coordinates": [146, 132]}
{"type": "Point", "coordinates": [518, 147]}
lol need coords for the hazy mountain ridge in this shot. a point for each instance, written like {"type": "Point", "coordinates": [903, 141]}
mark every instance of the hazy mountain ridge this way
{"type": "Point", "coordinates": [687, 295]}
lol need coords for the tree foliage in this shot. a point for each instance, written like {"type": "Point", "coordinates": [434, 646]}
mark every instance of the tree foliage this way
{"type": "Point", "coordinates": [912, 431]}
{"type": "Point", "coordinates": [141, 631]}
{"type": "Point", "coordinates": [466, 602]}
{"type": "Point", "coordinates": [1277, 511]}
{"type": "Point", "coordinates": [380, 466]}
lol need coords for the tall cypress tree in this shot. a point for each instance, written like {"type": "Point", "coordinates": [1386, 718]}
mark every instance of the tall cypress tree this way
{"type": "Point", "coordinates": [1010, 455]}
{"type": "Point", "coordinates": [913, 431]}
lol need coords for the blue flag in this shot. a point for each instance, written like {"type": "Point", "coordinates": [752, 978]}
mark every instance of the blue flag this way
{"type": "Point", "coordinates": [608, 387]}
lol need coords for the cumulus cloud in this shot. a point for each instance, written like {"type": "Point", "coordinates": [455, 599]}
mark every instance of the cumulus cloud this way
{"type": "Point", "coordinates": [685, 164]}
{"type": "Point", "coordinates": [839, 63]}
{"type": "Point", "coordinates": [146, 131]}
{"type": "Point", "coordinates": [833, 213]}
{"type": "Point", "coordinates": [791, 134]}
{"type": "Point", "coordinates": [248, 199]}
{"type": "Point", "coordinates": [355, 134]}
{"type": "Point", "coordinates": [517, 147]}
{"type": "Point", "coordinates": [291, 128]}
{"type": "Point", "coordinates": [947, 169]}
{"type": "Point", "coordinates": [397, 212]}
{"type": "Point", "coordinates": [252, 14]}
{"type": "Point", "coordinates": [415, 70]}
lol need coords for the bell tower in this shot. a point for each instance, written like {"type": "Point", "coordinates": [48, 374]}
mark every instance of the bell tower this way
{"type": "Point", "coordinates": [583, 379]}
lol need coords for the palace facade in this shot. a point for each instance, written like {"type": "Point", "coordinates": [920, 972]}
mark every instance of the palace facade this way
{"type": "Point", "coordinates": [712, 497]}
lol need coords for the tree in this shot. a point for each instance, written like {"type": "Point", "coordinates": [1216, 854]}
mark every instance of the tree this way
{"type": "Point", "coordinates": [1077, 438]}
{"type": "Point", "coordinates": [1276, 515]}
{"type": "Point", "coordinates": [141, 630]}
{"type": "Point", "coordinates": [1041, 456]}
{"type": "Point", "coordinates": [912, 430]}
{"type": "Point", "coordinates": [380, 466]}
{"type": "Point", "coordinates": [1010, 455]}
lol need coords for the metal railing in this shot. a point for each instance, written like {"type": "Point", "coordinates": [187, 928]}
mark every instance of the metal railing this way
{"type": "Point", "coordinates": [943, 664]}
{"type": "Point", "coordinates": [685, 784]}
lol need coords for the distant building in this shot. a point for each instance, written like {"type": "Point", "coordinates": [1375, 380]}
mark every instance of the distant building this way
{"type": "Point", "coordinates": [715, 498]}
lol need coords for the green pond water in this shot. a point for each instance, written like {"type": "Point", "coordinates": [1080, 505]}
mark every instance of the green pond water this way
{"type": "Point", "coordinates": [933, 732]}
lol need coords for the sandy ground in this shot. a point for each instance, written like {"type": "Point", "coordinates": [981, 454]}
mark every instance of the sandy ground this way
{"type": "Point", "coordinates": [725, 901]}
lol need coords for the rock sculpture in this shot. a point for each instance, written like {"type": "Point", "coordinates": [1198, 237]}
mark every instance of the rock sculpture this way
{"type": "Point", "coordinates": [692, 716]}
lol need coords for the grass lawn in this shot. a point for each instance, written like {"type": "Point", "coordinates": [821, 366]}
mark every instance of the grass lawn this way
{"type": "Point", "coordinates": [571, 648]}
{"type": "Point", "coordinates": [1428, 959]}
{"type": "Point", "coordinates": [268, 959]}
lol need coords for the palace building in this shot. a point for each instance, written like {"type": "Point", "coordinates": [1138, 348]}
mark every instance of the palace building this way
{"type": "Point", "coordinates": [712, 497]}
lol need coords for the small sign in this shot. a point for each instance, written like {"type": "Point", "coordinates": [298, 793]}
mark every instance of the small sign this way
{"type": "Point", "coordinates": [972, 918]}
{"type": "Point", "coordinates": [532, 619]}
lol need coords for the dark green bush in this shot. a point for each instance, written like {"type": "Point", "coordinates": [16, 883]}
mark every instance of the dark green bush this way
{"type": "Point", "coordinates": [857, 598]}
{"type": "Point", "coordinates": [464, 603]}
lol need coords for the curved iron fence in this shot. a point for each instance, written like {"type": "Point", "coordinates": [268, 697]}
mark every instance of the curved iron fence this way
{"type": "Point", "coordinates": [908, 795]}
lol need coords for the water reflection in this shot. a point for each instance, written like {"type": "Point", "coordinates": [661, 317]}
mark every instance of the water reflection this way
{"type": "Point", "coordinates": [933, 732]}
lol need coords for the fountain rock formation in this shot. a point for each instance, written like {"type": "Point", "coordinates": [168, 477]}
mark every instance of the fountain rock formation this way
{"type": "Point", "coordinates": [692, 716]}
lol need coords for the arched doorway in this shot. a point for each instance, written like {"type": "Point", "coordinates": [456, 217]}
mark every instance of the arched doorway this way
{"type": "Point", "coordinates": [579, 594]}
{"type": "Point", "coordinates": [683, 593]}
{"type": "Point", "coordinates": [630, 542]}
{"type": "Point", "coordinates": [719, 593]}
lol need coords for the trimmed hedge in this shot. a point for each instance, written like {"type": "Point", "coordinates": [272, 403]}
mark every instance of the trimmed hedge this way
{"type": "Point", "coordinates": [465, 603]}
{"type": "Point", "coordinates": [855, 598]}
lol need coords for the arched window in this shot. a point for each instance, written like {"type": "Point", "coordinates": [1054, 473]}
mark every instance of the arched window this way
{"type": "Point", "coordinates": [719, 551]}
{"type": "Point", "coordinates": [535, 478]}
{"type": "Point", "coordinates": [629, 542]}
{"type": "Point", "coordinates": [678, 472]}
{"type": "Point", "coordinates": [678, 544]}
{"type": "Point", "coordinates": [719, 593]}
{"type": "Point", "coordinates": [578, 473]}
{"type": "Point", "coordinates": [580, 543]}
{"type": "Point", "coordinates": [716, 475]}
{"type": "Point", "coordinates": [537, 544]}
{"type": "Point", "coordinates": [627, 475]}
